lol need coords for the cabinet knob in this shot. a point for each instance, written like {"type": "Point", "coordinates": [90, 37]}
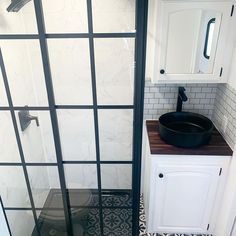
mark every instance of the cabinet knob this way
{"type": "Point", "coordinates": [161, 175]}
{"type": "Point", "coordinates": [162, 71]}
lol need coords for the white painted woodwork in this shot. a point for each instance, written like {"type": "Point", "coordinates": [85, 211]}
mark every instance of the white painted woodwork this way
{"type": "Point", "coordinates": [159, 37]}
{"type": "Point", "coordinates": [184, 197]}
{"type": "Point", "coordinates": [188, 196]}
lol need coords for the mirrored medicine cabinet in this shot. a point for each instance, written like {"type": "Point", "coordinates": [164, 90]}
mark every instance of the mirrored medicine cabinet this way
{"type": "Point", "coordinates": [191, 41]}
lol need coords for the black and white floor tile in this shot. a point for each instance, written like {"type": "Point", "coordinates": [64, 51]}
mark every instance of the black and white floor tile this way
{"type": "Point", "coordinates": [117, 219]}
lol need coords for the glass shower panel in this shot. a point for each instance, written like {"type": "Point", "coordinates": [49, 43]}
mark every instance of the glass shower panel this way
{"type": "Point", "coordinates": [115, 71]}
{"type": "Point", "coordinates": [82, 185]}
{"type": "Point", "coordinates": [45, 186]}
{"type": "Point", "coordinates": [25, 72]}
{"type": "Point", "coordinates": [81, 176]}
{"type": "Point", "coordinates": [112, 16]}
{"type": "Point", "coordinates": [116, 176]}
{"type": "Point", "coordinates": [9, 149]}
{"type": "Point", "coordinates": [77, 134]}
{"type": "Point", "coordinates": [49, 227]}
{"type": "Point", "coordinates": [37, 141]}
{"type": "Point", "coordinates": [47, 195]}
{"type": "Point", "coordinates": [13, 189]}
{"type": "Point", "coordinates": [3, 222]}
{"type": "Point", "coordinates": [65, 16]}
{"type": "Point", "coordinates": [21, 222]}
{"type": "Point", "coordinates": [115, 133]}
{"type": "Point", "coordinates": [118, 221]}
{"type": "Point", "coordinates": [3, 96]}
{"type": "Point", "coordinates": [70, 66]}
{"type": "Point", "coordinates": [24, 22]}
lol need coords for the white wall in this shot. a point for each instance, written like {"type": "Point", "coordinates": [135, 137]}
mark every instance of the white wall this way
{"type": "Point", "coordinates": [232, 75]}
{"type": "Point", "coordinates": [228, 210]}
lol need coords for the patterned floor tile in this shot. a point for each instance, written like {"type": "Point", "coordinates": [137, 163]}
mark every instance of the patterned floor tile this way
{"type": "Point", "coordinates": [117, 219]}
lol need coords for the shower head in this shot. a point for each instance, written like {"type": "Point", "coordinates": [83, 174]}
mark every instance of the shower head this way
{"type": "Point", "coordinates": [16, 5]}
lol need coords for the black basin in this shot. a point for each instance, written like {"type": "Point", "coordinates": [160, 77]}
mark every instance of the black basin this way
{"type": "Point", "coordinates": [185, 129]}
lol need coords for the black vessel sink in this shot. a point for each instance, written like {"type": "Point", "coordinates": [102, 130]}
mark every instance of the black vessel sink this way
{"type": "Point", "coordinates": [185, 129]}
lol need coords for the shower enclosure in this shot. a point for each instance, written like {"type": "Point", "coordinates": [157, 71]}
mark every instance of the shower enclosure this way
{"type": "Point", "coordinates": [71, 101]}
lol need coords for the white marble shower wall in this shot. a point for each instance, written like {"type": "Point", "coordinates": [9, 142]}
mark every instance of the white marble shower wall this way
{"type": "Point", "coordinates": [3, 223]}
{"type": "Point", "coordinates": [23, 63]}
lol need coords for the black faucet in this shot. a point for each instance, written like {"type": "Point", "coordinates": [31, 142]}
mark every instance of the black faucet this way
{"type": "Point", "coordinates": [181, 98]}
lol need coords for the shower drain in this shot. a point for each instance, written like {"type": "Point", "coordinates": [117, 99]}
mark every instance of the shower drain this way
{"type": "Point", "coordinates": [52, 232]}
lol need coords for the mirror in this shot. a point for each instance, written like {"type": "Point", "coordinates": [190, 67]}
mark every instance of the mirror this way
{"type": "Point", "coordinates": [191, 41]}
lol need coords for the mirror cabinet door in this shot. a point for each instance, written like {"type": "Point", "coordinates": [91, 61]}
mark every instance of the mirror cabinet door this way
{"type": "Point", "coordinates": [193, 37]}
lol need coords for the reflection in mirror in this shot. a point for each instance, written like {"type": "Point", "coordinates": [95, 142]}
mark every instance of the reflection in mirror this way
{"type": "Point", "coordinates": [192, 41]}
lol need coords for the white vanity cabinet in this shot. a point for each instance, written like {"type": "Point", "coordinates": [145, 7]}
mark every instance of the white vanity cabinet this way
{"type": "Point", "coordinates": [182, 193]}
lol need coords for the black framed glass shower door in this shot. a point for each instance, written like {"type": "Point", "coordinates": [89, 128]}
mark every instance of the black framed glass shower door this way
{"type": "Point", "coordinates": [72, 81]}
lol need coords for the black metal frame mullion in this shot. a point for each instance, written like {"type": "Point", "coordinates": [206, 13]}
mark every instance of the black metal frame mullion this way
{"type": "Point", "coordinates": [64, 162]}
{"type": "Point", "coordinates": [53, 114]}
{"type": "Point", "coordinates": [20, 148]}
{"type": "Point", "coordinates": [78, 107]}
{"type": "Point", "coordinates": [95, 109]}
{"type": "Point", "coordinates": [140, 58]}
{"type": "Point", "coordinates": [67, 35]}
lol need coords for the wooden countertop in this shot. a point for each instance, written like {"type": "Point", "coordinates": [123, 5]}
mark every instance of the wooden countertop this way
{"type": "Point", "coordinates": [216, 147]}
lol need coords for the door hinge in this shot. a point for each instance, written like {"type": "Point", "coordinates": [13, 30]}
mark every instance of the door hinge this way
{"type": "Point", "coordinates": [232, 11]}
{"type": "Point", "coordinates": [220, 171]}
{"type": "Point", "coordinates": [208, 226]}
{"type": "Point", "coordinates": [221, 71]}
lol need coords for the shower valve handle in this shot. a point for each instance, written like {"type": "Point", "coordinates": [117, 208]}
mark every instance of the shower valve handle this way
{"type": "Point", "coordinates": [25, 119]}
{"type": "Point", "coordinates": [30, 118]}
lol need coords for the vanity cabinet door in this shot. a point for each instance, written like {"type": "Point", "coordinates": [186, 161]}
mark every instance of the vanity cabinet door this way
{"type": "Point", "coordinates": [183, 198]}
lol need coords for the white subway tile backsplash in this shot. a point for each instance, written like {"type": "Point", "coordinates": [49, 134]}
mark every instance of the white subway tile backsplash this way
{"type": "Point", "coordinates": [160, 99]}
{"type": "Point", "coordinates": [225, 106]}
{"type": "Point", "coordinates": [195, 89]}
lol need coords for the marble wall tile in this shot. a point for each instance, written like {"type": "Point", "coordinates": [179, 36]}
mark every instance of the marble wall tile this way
{"type": "Point", "coordinates": [23, 22]}
{"type": "Point", "coordinates": [3, 96]}
{"type": "Point", "coordinates": [37, 142]}
{"type": "Point", "coordinates": [42, 179]}
{"type": "Point", "coordinates": [115, 133]}
{"type": "Point", "coordinates": [13, 188]}
{"type": "Point", "coordinates": [24, 70]}
{"type": "Point", "coordinates": [81, 176]}
{"type": "Point", "coordinates": [3, 223]}
{"type": "Point", "coordinates": [70, 66]}
{"type": "Point", "coordinates": [65, 16]}
{"type": "Point", "coordinates": [47, 136]}
{"type": "Point", "coordinates": [114, 59]}
{"type": "Point", "coordinates": [21, 222]}
{"type": "Point", "coordinates": [77, 134]}
{"type": "Point", "coordinates": [117, 176]}
{"type": "Point", "coordinates": [9, 150]}
{"type": "Point", "coordinates": [113, 16]}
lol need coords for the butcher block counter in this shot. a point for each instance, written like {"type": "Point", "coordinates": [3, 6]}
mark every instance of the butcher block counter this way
{"type": "Point", "coordinates": [216, 147]}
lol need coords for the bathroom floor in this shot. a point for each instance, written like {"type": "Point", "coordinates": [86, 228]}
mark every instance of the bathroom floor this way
{"type": "Point", "coordinates": [117, 215]}
{"type": "Point", "coordinates": [116, 208]}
